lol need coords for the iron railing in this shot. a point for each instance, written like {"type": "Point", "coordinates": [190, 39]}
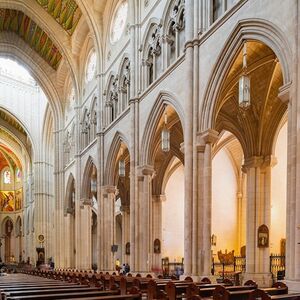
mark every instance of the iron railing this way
{"type": "Point", "coordinates": [277, 266]}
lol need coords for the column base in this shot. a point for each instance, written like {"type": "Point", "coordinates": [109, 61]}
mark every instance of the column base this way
{"type": "Point", "coordinates": [262, 279]}
{"type": "Point", "coordinates": [293, 285]}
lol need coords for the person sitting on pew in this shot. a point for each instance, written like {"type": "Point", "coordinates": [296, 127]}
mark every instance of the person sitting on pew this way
{"type": "Point", "coordinates": [127, 268]}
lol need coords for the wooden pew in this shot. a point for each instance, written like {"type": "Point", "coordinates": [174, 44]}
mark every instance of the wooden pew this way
{"type": "Point", "coordinates": [41, 291]}
{"type": "Point", "coordinates": [57, 294]}
{"type": "Point", "coordinates": [262, 295]}
{"type": "Point", "coordinates": [233, 293]}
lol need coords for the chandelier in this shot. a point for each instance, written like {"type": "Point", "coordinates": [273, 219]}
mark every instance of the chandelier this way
{"type": "Point", "coordinates": [94, 182]}
{"type": "Point", "coordinates": [244, 83]}
{"type": "Point", "coordinates": [122, 165]}
{"type": "Point", "coordinates": [165, 135]}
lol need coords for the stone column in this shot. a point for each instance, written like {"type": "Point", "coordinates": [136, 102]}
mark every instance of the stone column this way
{"type": "Point", "coordinates": [289, 94]}
{"type": "Point", "coordinates": [188, 141]}
{"type": "Point", "coordinates": [109, 233]}
{"type": "Point", "coordinates": [258, 171]}
{"type": "Point", "coordinates": [157, 227]}
{"type": "Point", "coordinates": [144, 237]}
{"type": "Point", "coordinates": [85, 243]}
{"type": "Point", "coordinates": [59, 197]}
{"type": "Point", "coordinates": [202, 210]}
{"type": "Point", "coordinates": [125, 232]}
{"type": "Point", "coordinates": [241, 210]}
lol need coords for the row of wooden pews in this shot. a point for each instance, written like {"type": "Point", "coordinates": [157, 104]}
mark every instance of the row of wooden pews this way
{"type": "Point", "coordinates": [24, 286]}
{"type": "Point", "coordinates": [74, 284]}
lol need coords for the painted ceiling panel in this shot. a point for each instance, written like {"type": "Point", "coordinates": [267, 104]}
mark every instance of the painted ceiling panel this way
{"type": "Point", "coordinates": [65, 12]}
{"type": "Point", "coordinates": [17, 22]}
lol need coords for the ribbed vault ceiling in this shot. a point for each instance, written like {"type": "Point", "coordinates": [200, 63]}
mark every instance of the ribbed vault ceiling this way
{"type": "Point", "coordinates": [255, 127]}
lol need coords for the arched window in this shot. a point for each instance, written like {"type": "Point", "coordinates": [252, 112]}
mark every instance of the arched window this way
{"type": "Point", "coordinates": [7, 177]}
{"type": "Point", "coordinates": [119, 21]}
{"type": "Point", "coordinates": [124, 85]}
{"type": "Point", "coordinates": [217, 9]}
{"type": "Point", "coordinates": [93, 120]}
{"type": "Point", "coordinates": [153, 57]}
{"type": "Point", "coordinates": [112, 101]}
{"type": "Point", "coordinates": [175, 30]}
{"type": "Point", "coordinates": [85, 129]}
{"type": "Point", "coordinates": [91, 67]}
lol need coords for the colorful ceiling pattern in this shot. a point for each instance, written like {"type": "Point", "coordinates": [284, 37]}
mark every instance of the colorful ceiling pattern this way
{"type": "Point", "coordinates": [8, 158]}
{"type": "Point", "coordinates": [65, 12]}
{"type": "Point", "coordinates": [17, 22]}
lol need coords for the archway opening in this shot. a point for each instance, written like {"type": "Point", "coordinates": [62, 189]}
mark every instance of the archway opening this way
{"type": "Point", "coordinates": [228, 201]}
{"type": "Point", "coordinates": [278, 191]}
{"type": "Point", "coordinates": [122, 204]}
{"type": "Point", "coordinates": [70, 223]}
{"type": "Point", "coordinates": [172, 213]}
{"type": "Point", "coordinates": [168, 193]}
{"type": "Point", "coordinates": [252, 111]}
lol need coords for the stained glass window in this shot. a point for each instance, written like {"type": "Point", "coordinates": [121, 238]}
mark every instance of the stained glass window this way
{"type": "Point", "coordinates": [119, 21]}
{"type": "Point", "coordinates": [6, 177]}
{"type": "Point", "coordinates": [91, 67]}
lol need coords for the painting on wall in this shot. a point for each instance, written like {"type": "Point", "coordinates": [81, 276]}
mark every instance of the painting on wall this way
{"type": "Point", "coordinates": [7, 200]}
{"type": "Point", "coordinates": [18, 199]}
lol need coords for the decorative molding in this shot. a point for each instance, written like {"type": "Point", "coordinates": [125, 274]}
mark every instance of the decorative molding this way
{"type": "Point", "coordinates": [284, 92]}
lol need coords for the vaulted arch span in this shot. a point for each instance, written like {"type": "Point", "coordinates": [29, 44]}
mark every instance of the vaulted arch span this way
{"type": "Point", "coordinates": [254, 29]}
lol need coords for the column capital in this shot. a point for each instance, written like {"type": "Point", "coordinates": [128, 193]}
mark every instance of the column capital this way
{"type": "Point", "coordinates": [259, 161]}
{"type": "Point", "coordinates": [86, 201]}
{"type": "Point", "coordinates": [109, 189]}
{"type": "Point", "coordinates": [209, 136]}
{"type": "Point", "coordinates": [158, 198]}
{"type": "Point", "coordinates": [146, 170]}
{"type": "Point", "coordinates": [125, 208]}
{"type": "Point", "coordinates": [284, 92]}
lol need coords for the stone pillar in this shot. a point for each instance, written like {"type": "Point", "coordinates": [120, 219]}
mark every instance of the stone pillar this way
{"type": "Point", "coordinates": [85, 244]}
{"type": "Point", "coordinates": [258, 170]}
{"type": "Point", "coordinates": [157, 227]}
{"type": "Point", "coordinates": [202, 211]}
{"type": "Point", "coordinates": [125, 232]}
{"type": "Point", "coordinates": [289, 94]}
{"type": "Point", "coordinates": [108, 224]}
{"type": "Point", "coordinates": [188, 141]}
{"type": "Point", "coordinates": [143, 235]}
{"type": "Point", "coordinates": [241, 210]}
{"type": "Point", "coordinates": [59, 196]}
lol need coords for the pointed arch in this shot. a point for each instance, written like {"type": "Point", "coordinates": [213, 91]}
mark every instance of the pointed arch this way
{"type": "Point", "coordinates": [118, 139]}
{"type": "Point", "coordinates": [68, 193]}
{"type": "Point", "coordinates": [86, 178]}
{"type": "Point", "coordinates": [164, 98]}
{"type": "Point", "coordinates": [247, 29]}
{"type": "Point", "coordinates": [7, 218]}
{"type": "Point", "coordinates": [152, 22]}
{"type": "Point", "coordinates": [18, 227]}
